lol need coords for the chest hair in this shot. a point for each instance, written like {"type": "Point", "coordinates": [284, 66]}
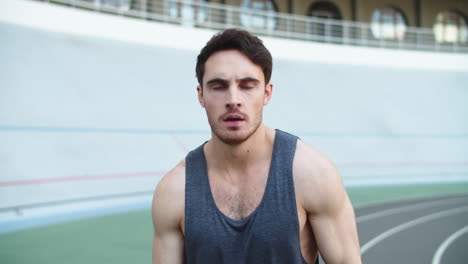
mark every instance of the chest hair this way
{"type": "Point", "coordinates": [238, 201]}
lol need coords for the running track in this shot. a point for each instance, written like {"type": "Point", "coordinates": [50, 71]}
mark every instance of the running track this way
{"type": "Point", "coordinates": [429, 231]}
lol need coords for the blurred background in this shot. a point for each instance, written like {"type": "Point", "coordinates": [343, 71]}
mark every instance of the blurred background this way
{"type": "Point", "coordinates": [98, 101]}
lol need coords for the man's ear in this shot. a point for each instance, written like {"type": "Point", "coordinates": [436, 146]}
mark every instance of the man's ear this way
{"type": "Point", "coordinates": [268, 93]}
{"type": "Point", "coordinates": [200, 96]}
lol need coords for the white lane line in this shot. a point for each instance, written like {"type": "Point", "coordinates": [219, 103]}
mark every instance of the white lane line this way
{"type": "Point", "coordinates": [443, 247]}
{"type": "Point", "coordinates": [412, 207]}
{"type": "Point", "coordinates": [409, 224]}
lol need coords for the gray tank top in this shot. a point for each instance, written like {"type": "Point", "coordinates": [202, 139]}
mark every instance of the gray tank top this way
{"type": "Point", "coordinates": [270, 234]}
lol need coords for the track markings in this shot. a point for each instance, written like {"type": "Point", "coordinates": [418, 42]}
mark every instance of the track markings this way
{"type": "Point", "coordinates": [409, 224]}
{"type": "Point", "coordinates": [447, 242]}
{"type": "Point", "coordinates": [403, 209]}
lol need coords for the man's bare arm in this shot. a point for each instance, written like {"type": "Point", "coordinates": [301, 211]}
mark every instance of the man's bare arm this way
{"type": "Point", "coordinates": [334, 227]}
{"type": "Point", "coordinates": [167, 214]}
{"type": "Point", "coordinates": [329, 209]}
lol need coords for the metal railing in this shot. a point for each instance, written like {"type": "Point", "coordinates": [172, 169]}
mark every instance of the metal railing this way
{"type": "Point", "coordinates": [201, 14]}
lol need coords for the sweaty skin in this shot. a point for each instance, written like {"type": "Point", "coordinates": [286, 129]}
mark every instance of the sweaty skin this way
{"type": "Point", "coordinates": [238, 157]}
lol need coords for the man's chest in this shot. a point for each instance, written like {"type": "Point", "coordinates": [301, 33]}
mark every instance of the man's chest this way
{"type": "Point", "coordinates": [239, 200]}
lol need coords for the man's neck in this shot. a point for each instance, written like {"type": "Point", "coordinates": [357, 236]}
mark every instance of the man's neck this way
{"type": "Point", "coordinates": [241, 157]}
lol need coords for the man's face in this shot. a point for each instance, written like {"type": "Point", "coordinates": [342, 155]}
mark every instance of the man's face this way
{"type": "Point", "coordinates": [233, 95]}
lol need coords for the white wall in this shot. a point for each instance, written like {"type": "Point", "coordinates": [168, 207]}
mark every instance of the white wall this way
{"type": "Point", "coordinates": [94, 104]}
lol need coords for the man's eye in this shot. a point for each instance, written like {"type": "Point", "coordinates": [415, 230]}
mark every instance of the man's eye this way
{"type": "Point", "coordinates": [246, 87]}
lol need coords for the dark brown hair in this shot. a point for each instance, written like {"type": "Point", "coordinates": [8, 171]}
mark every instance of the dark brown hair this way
{"type": "Point", "coordinates": [236, 39]}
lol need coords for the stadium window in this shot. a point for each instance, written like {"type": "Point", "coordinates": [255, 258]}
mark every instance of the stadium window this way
{"type": "Point", "coordinates": [186, 11]}
{"type": "Point", "coordinates": [324, 10]}
{"type": "Point", "coordinates": [450, 27]}
{"type": "Point", "coordinates": [259, 14]}
{"type": "Point", "coordinates": [388, 23]}
{"type": "Point", "coordinates": [327, 11]}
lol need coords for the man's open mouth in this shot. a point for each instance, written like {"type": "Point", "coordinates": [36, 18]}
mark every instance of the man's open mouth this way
{"type": "Point", "coordinates": [233, 118]}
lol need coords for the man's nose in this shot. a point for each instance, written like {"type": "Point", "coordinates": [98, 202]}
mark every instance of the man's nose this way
{"type": "Point", "coordinates": [233, 97]}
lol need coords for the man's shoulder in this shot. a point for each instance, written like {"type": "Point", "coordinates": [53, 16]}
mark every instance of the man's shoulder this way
{"type": "Point", "coordinates": [168, 200]}
{"type": "Point", "coordinates": [310, 161]}
{"type": "Point", "coordinates": [170, 191]}
{"type": "Point", "coordinates": [173, 182]}
{"type": "Point", "coordinates": [316, 178]}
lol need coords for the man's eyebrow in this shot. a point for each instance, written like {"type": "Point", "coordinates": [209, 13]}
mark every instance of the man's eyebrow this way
{"type": "Point", "coordinates": [216, 81]}
{"type": "Point", "coordinates": [225, 82]}
{"type": "Point", "coordinates": [249, 79]}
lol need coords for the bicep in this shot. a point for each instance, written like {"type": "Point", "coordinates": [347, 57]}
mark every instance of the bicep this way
{"type": "Point", "coordinates": [336, 235]}
{"type": "Point", "coordinates": [168, 248]}
{"type": "Point", "coordinates": [167, 215]}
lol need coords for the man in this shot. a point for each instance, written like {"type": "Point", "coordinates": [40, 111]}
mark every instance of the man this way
{"type": "Point", "coordinates": [250, 194]}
